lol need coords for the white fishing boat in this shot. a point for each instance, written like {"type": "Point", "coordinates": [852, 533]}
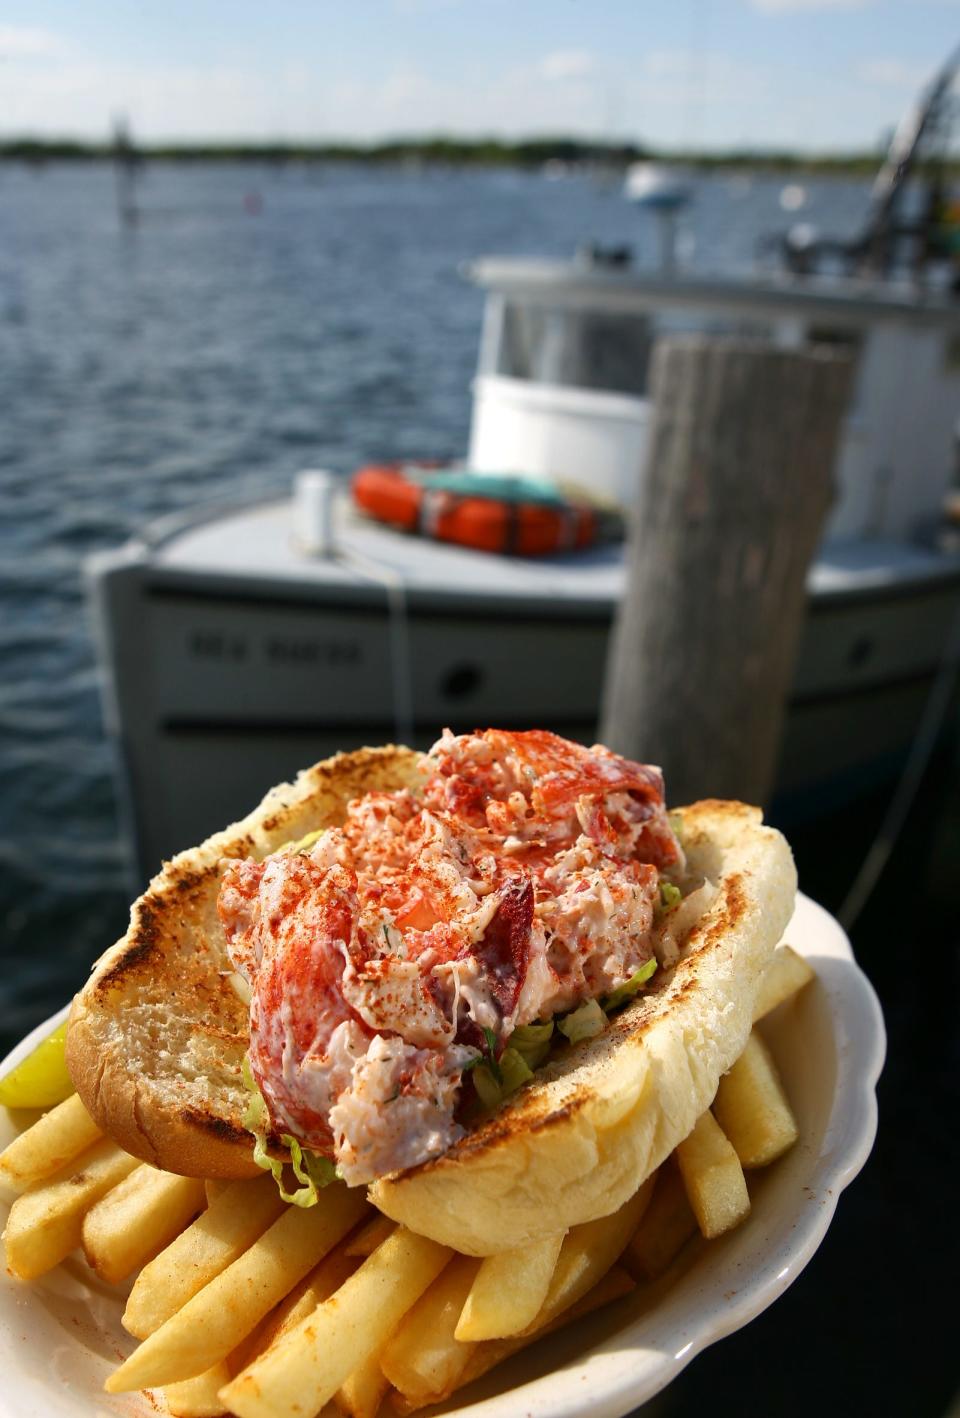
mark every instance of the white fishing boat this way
{"type": "Point", "coordinates": [238, 647]}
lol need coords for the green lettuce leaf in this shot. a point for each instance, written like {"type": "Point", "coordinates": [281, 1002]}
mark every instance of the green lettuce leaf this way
{"type": "Point", "coordinates": [585, 1022]}
{"type": "Point", "coordinates": [670, 895]}
{"type": "Point", "coordinates": [310, 1170]}
{"type": "Point", "coordinates": [629, 988]}
{"type": "Point", "coordinates": [532, 1042]}
{"type": "Point", "coordinates": [488, 1089]}
{"type": "Point", "coordinates": [513, 1072]}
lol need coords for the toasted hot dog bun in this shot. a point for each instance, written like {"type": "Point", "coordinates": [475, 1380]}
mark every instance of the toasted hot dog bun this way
{"type": "Point", "coordinates": [157, 1036]}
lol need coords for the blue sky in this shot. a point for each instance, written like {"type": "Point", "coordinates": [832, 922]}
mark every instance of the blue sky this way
{"type": "Point", "coordinates": [812, 74]}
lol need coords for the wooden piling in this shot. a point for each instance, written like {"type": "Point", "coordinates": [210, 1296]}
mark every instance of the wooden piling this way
{"type": "Point", "coordinates": [739, 479]}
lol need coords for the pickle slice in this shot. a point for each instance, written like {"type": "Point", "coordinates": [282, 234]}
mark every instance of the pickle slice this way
{"type": "Point", "coordinates": [41, 1079]}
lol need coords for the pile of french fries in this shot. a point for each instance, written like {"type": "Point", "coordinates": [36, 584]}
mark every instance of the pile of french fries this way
{"type": "Point", "coordinates": [245, 1305]}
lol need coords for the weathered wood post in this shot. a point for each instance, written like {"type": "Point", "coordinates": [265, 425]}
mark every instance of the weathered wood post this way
{"type": "Point", "coordinates": [738, 481]}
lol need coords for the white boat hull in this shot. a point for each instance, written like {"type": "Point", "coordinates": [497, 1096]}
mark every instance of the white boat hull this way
{"type": "Point", "coordinates": [223, 681]}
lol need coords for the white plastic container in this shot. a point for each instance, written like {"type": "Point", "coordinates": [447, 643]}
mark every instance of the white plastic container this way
{"type": "Point", "coordinates": [585, 436]}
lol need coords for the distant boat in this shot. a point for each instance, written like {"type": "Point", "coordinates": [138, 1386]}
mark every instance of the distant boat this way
{"type": "Point", "coordinates": [654, 184]}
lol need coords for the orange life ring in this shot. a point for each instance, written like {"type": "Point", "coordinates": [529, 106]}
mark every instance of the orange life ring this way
{"type": "Point", "coordinates": [392, 493]}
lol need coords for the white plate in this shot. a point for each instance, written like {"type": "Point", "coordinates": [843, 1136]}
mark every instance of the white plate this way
{"type": "Point", "coordinates": [60, 1337]}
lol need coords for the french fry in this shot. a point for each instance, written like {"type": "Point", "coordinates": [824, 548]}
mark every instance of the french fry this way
{"type": "Point", "coordinates": [198, 1397]}
{"type": "Point", "coordinates": [612, 1286]}
{"type": "Point", "coordinates": [366, 1239]}
{"type": "Point", "coordinates": [713, 1178]}
{"type": "Point", "coordinates": [214, 1187]}
{"type": "Point", "coordinates": [305, 1369]}
{"type": "Point", "coordinates": [587, 1254]}
{"type": "Point", "coordinates": [322, 1282]}
{"type": "Point", "coordinates": [401, 1405]}
{"type": "Point", "coordinates": [509, 1291]}
{"type": "Point", "coordinates": [45, 1224]}
{"type": "Point", "coordinates": [664, 1230]}
{"type": "Point", "coordinates": [424, 1356]}
{"type": "Point", "coordinates": [136, 1219]}
{"type": "Point", "coordinates": [46, 1147]}
{"type": "Point", "coordinates": [361, 1395]}
{"type": "Point", "coordinates": [786, 973]}
{"type": "Point", "coordinates": [215, 1240]}
{"type": "Point", "coordinates": [226, 1310]}
{"type": "Point", "coordinates": [752, 1107]}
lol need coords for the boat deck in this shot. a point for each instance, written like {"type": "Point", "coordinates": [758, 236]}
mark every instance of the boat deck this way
{"type": "Point", "coordinates": [259, 543]}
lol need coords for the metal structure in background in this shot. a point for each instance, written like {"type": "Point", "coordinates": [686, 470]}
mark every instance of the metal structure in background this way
{"type": "Point", "coordinates": [920, 146]}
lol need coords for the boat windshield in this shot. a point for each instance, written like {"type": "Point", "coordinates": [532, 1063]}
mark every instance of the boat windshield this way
{"type": "Point", "coordinates": [585, 349]}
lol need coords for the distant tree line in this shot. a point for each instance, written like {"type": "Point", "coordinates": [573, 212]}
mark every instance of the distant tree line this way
{"type": "Point", "coordinates": [439, 151]}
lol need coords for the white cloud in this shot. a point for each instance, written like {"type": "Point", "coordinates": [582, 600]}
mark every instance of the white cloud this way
{"type": "Point", "coordinates": [790, 7]}
{"type": "Point", "coordinates": [893, 73]}
{"type": "Point", "coordinates": [24, 41]}
{"type": "Point", "coordinates": [567, 64]}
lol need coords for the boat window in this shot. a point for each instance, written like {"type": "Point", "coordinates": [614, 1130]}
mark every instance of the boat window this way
{"type": "Point", "coordinates": [583, 349]}
{"type": "Point", "coordinates": [847, 338]}
{"type": "Point", "coordinates": [695, 322]}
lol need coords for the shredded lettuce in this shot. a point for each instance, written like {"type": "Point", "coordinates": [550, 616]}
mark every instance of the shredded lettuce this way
{"type": "Point", "coordinates": [488, 1089]}
{"type": "Point", "coordinates": [532, 1042]}
{"type": "Point", "coordinates": [311, 1170]}
{"type": "Point", "coordinates": [670, 895]}
{"type": "Point", "coordinates": [629, 988]}
{"type": "Point", "coordinates": [585, 1022]}
{"type": "Point", "coordinates": [513, 1072]}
